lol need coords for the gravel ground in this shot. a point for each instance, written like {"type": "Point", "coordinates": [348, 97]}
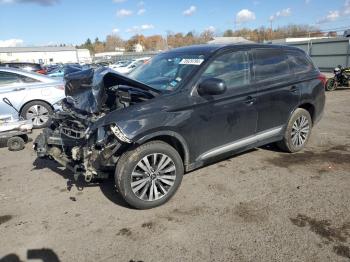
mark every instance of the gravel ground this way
{"type": "Point", "coordinates": [263, 205]}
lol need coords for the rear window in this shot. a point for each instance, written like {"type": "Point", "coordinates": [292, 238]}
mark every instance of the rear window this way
{"type": "Point", "coordinates": [299, 62]}
{"type": "Point", "coordinates": [270, 64]}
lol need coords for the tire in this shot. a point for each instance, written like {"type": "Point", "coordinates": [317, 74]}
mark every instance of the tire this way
{"type": "Point", "coordinates": [38, 112]}
{"type": "Point", "coordinates": [297, 133]}
{"type": "Point", "coordinates": [15, 143]}
{"type": "Point", "coordinates": [331, 84]}
{"type": "Point", "coordinates": [128, 171]}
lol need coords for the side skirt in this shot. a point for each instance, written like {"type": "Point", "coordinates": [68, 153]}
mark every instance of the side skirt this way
{"type": "Point", "coordinates": [239, 146]}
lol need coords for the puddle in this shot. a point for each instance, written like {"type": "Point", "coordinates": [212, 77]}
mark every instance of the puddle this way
{"type": "Point", "coordinates": [5, 218]}
{"type": "Point", "coordinates": [337, 155]}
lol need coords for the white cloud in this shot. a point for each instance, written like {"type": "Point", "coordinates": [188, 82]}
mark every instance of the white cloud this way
{"type": "Point", "coordinates": [210, 28]}
{"type": "Point", "coordinates": [282, 13]}
{"type": "Point", "coordinates": [244, 16]}
{"type": "Point", "coordinates": [190, 11]}
{"type": "Point", "coordinates": [141, 11]}
{"type": "Point", "coordinates": [11, 42]}
{"type": "Point", "coordinates": [116, 30]}
{"type": "Point", "coordinates": [346, 10]}
{"type": "Point", "coordinates": [333, 15]}
{"type": "Point", "coordinates": [330, 17]}
{"type": "Point", "coordinates": [139, 29]}
{"type": "Point", "coordinates": [119, 1]}
{"type": "Point", "coordinates": [124, 13]}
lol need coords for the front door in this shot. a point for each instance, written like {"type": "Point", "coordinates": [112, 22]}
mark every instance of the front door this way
{"type": "Point", "coordinates": [219, 122]}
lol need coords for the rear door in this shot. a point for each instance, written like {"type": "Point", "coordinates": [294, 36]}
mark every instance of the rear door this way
{"type": "Point", "coordinates": [278, 93]}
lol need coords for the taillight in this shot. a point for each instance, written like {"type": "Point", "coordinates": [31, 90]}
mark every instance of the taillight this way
{"type": "Point", "coordinates": [323, 79]}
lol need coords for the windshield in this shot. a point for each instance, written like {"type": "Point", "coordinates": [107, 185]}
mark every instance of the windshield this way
{"type": "Point", "coordinates": [167, 71]}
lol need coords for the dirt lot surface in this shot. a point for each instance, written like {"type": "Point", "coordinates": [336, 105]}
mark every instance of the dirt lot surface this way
{"type": "Point", "coordinates": [263, 205]}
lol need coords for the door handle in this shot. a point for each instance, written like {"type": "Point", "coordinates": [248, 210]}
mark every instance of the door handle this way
{"type": "Point", "coordinates": [18, 89]}
{"type": "Point", "coordinates": [293, 89]}
{"type": "Point", "coordinates": [249, 100]}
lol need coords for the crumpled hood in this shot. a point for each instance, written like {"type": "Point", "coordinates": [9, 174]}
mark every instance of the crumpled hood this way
{"type": "Point", "coordinates": [86, 90]}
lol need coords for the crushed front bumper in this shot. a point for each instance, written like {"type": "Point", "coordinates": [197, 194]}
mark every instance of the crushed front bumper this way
{"type": "Point", "coordinates": [76, 155]}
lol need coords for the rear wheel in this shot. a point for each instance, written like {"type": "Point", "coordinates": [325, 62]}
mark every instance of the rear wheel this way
{"type": "Point", "coordinates": [149, 175]}
{"type": "Point", "coordinates": [331, 84]}
{"type": "Point", "coordinates": [37, 111]}
{"type": "Point", "coordinates": [297, 132]}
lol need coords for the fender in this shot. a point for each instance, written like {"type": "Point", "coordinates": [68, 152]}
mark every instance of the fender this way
{"type": "Point", "coordinates": [174, 134]}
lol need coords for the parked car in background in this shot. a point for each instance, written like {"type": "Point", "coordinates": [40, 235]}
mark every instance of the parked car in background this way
{"type": "Point", "coordinates": [60, 72]}
{"type": "Point", "coordinates": [183, 109]}
{"type": "Point", "coordinates": [32, 67]}
{"type": "Point", "coordinates": [35, 96]}
{"type": "Point", "coordinates": [128, 68]}
{"type": "Point", "coordinates": [122, 63]}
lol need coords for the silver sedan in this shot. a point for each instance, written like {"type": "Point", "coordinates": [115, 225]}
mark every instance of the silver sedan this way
{"type": "Point", "coordinates": [35, 96]}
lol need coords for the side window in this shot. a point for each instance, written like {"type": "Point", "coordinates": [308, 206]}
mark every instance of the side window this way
{"type": "Point", "coordinates": [8, 78]}
{"type": "Point", "coordinates": [26, 79]}
{"type": "Point", "coordinates": [269, 64]}
{"type": "Point", "coordinates": [299, 63]}
{"type": "Point", "coordinates": [232, 68]}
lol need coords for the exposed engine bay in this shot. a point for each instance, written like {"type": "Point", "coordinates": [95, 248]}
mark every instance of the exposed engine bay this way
{"type": "Point", "coordinates": [74, 138]}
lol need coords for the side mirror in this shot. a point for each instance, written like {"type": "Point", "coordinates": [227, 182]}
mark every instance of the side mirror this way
{"type": "Point", "coordinates": [212, 87]}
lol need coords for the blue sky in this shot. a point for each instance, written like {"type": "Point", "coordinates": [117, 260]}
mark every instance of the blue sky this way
{"type": "Point", "coordinates": [41, 22]}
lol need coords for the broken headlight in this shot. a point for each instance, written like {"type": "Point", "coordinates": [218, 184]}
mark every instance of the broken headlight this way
{"type": "Point", "coordinates": [119, 134]}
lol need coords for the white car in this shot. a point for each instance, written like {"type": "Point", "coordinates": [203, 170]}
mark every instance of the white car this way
{"type": "Point", "coordinates": [132, 66]}
{"type": "Point", "coordinates": [35, 96]}
{"type": "Point", "coordinates": [121, 63]}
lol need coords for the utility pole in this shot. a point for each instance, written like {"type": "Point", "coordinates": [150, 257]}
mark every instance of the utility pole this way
{"type": "Point", "coordinates": [271, 29]}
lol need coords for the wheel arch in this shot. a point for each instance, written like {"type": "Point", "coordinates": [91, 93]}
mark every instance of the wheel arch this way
{"type": "Point", "coordinates": [310, 108]}
{"type": "Point", "coordinates": [173, 139]}
{"type": "Point", "coordinates": [33, 100]}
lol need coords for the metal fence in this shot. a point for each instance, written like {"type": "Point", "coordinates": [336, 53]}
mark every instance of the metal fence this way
{"type": "Point", "coordinates": [327, 53]}
{"type": "Point", "coordinates": [133, 55]}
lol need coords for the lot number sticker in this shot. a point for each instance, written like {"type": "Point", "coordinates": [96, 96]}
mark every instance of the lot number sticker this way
{"type": "Point", "coordinates": [187, 61]}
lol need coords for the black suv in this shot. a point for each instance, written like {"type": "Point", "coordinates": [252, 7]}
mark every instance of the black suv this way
{"type": "Point", "coordinates": [181, 110]}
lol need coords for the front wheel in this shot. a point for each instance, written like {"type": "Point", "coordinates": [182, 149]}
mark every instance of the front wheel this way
{"type": "Point", "coordinates": [331, 84]}
{"type": "Point", "coordinates": [297, 132]}
{"type": "Point", "coordinates": [149, 175]}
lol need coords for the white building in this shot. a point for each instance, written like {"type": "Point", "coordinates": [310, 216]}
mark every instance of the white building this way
{"type": "Point", "coordinates": [138, 48]}
{"type": "Point", "coordinates": [45, 54]}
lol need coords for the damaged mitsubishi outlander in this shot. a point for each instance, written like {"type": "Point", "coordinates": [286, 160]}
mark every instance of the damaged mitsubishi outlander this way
{"type": "Point", "coordinates": [179, 111]}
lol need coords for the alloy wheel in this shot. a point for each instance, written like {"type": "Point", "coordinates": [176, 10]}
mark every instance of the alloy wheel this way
{"type": "Point", "coordinates": [153, 177]}
{"type": "Point", "coordinates": [300, 131]}
{"type": "Point", "coordinates": [38, 114]}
